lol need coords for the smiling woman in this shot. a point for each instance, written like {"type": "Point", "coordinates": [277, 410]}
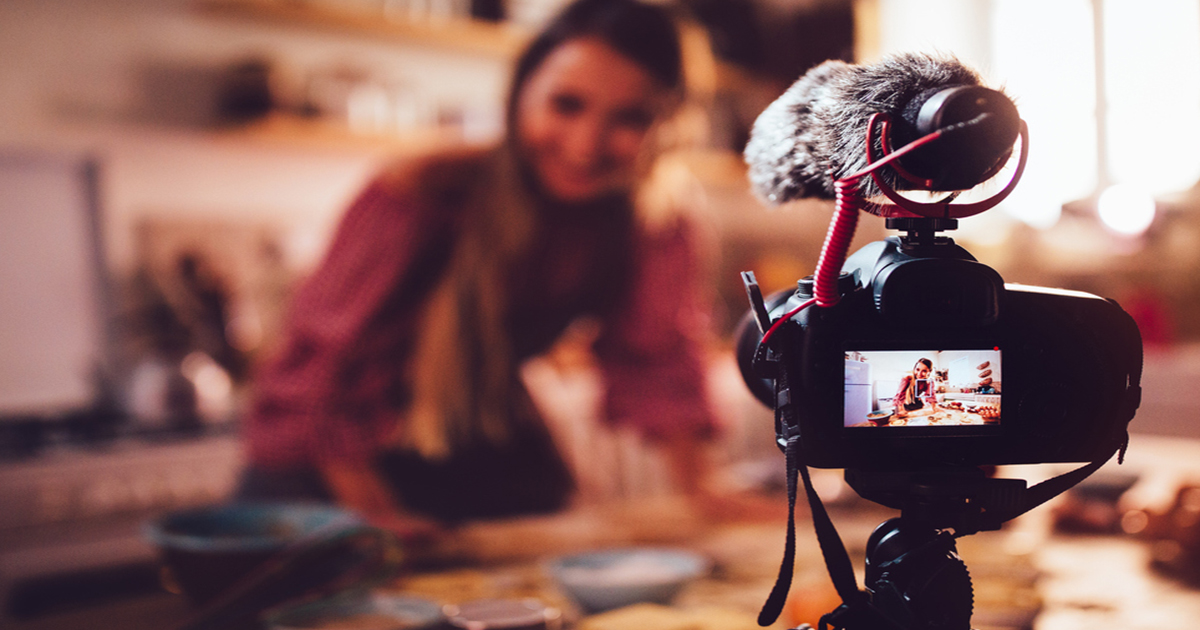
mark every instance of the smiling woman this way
{"type": "Point", "coordinates": [583, 118]}
{"type": "Point", "coordinates": [397, 390]}
{"type": "Point", "coordinates": [588, 92]}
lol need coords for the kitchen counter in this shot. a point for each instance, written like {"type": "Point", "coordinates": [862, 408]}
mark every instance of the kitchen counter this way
{"type": "Point", "coordinates": [1025, 576]}
{"type": "Point", "coordinates": [989, 399]}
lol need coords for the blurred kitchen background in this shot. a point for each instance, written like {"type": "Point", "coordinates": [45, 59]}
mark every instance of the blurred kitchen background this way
{"type": "Point", "coordinates": [169, 169]}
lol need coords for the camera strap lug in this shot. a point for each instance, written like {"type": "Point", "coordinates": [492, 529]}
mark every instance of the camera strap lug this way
{"type": "Point", "coordinates": [758, 305]}
{"type": "Point", "coordinates": [765, 364]}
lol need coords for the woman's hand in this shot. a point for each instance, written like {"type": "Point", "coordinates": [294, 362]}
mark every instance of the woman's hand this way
{"type": "Point", "coordinates": [739, 507]}
{"type": "Point", "coordinates": [360, 488]}
{"type": "Point", "coordinates": [691, 464]}
{"type": "Point", "coordinates": [410, 529]}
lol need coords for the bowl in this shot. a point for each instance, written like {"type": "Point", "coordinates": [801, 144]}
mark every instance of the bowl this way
{"type": "Point", "coordinates": [604, 580]}
{"type": "Point", "coordinates": [361, 611]}
{"type": "Point", "coordinates": [206, 550]}
{"type": "Point", "coordinates": [876, 416]}
{"type": "Point", "coordinates": [503, 614]}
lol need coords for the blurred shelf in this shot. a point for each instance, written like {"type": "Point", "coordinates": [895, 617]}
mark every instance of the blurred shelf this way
{"type": "Point", "coordinates": [278, 133]}
{"type": "Point", "coordinates": [461, 34]}
{"type": "Point", "coordinates": [297, 132]}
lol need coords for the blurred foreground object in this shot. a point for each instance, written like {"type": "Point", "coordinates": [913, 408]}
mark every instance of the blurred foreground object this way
{"type": "Point", "coordinates": [659, 617]}
{"type": "Point", "coordinates": [605, 580]}
{"type": "Point", "coordinates": [1176, 536]}
{"type": "Point", "coordinates": [236, 561]}
{"type": "Point", "coordinates": [374, 611]}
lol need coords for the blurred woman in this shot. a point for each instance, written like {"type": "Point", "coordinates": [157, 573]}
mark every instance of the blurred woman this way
{"type": "Point", "coordinates": [397, 390]}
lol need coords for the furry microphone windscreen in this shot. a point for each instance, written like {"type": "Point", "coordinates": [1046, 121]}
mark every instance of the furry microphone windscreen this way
{"type": "Point", "coordinates": [815, 133]}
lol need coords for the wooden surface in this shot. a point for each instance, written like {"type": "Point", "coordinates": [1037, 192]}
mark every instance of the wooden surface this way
{"type": "Point", "coordinates": [926, 417]}
{"type": "Point", "coordinates": [1026, 576]}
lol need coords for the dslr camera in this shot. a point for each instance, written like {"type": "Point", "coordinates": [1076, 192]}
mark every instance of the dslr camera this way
{"type": "Point", "coordinates": [995, 373]}
{"type": "Point", "coordinates": [1018, 374]}
{"type": "Point", "coordinates": [910, 364]}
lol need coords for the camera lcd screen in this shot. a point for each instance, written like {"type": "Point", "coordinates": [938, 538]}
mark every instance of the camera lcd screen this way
{"type": "Point", "coordinates": [922, 388]}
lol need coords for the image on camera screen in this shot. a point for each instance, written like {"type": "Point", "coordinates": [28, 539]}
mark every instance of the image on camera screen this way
{"type": "Point", "coordinates": [922, 388]}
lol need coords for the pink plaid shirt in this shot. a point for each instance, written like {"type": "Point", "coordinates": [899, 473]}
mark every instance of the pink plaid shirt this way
{"type": "Point", "coordinates": [341, 380]}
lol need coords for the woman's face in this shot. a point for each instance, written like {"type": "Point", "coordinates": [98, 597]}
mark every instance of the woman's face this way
{"type": "Point", "coordinates": [582, 118]}
{"type": "Point", "coordinates": [921, 370]}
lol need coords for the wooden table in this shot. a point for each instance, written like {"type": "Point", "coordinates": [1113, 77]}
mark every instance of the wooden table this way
{"type": "Point", "coordinates": [927, 417]}
{"type": "Point", "coordinates": [1026, 576]}
{"type": "Point", "coordinates": [506, 560]}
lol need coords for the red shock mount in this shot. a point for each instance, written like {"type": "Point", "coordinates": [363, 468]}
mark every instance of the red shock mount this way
{"type": "Point", "coordinates": [849, 201]}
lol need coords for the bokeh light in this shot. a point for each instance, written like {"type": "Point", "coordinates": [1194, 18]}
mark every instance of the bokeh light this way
{"type": "Point", "coordinates": [1126, 209]}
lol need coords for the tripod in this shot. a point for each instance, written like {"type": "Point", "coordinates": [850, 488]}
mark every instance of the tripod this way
{"type": "Point", "coordinates": [915, 579]}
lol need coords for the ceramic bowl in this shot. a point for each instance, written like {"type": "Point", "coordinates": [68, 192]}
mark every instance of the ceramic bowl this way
{"type": "Point", "coordinates": [604, 580]}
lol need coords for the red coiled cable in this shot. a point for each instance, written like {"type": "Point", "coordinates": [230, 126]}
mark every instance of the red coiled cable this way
{"type": "Point", "coordinates": [837, 241]}
{"type": "Point", "coordinates": [833, 251]}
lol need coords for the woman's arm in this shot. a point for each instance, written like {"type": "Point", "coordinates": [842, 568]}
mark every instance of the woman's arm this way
{"type": "Point", "coordinates": [360, 488]}
{"type": "Point", "coordinates": [651, 354]}
{"type": "Point", "coordinates": [901, 395]}
{"type": "Point", "coordinates": [323, 396]}
{"type": "Point", "coordinates": [322, 402]}
{"type": "Point", "coordinates": [651, 350]}
{"type": "Point", "coordinates": [931, 392]}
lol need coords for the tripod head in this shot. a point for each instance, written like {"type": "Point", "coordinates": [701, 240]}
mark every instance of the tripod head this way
{"type": "Point", "coordinates": [915, 579]}
{"type": "Point", "coordinates": [963, 500]}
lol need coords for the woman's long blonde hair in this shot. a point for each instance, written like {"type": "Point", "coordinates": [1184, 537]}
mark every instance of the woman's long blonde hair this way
{"type": "Point", "coordinates": [464, 370]}
{"type": "Point", "coordinates": [463, 366]}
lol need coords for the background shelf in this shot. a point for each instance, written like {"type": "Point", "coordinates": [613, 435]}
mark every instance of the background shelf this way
{"type": "Point", "coordinates": [462, 34]}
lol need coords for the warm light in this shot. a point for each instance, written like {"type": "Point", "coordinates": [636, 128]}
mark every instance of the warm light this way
{"type": "Point", "coordinates": [1153, 91]}
{"type": "Point", "coordinates": [1056, 99]}
{"type": "Point", "coordinates": [214, 387]}
{"type": "Point", "coordinates": [1126, 209]}
{"type": "Point", "coordinates": [367, 109]}
{"type": "Point", "coordinates": [1134, 521]}
{"type": "Point", "coordinates": [1034, 206]}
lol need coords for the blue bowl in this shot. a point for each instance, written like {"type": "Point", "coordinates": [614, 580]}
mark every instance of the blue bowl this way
{"type": "Point", "coordinates": [205, 550]}
{"type": "Point", "coordinates": [605, 580]}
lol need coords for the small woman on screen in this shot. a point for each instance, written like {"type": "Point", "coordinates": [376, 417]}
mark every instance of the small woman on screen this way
{"type": "Point", "coordinates": [916, 389]}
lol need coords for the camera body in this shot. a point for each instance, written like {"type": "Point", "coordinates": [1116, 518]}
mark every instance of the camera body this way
{"type": "Point", "coordinates": [1021, 374]}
